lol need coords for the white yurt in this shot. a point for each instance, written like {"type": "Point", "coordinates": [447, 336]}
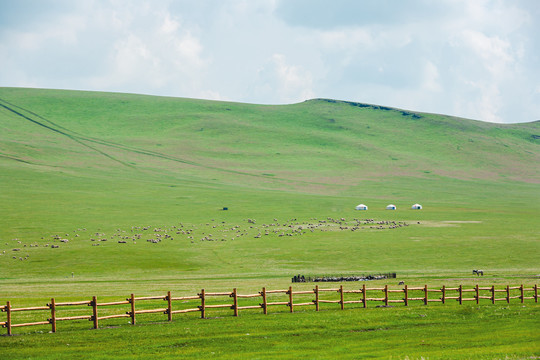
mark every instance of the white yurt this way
{"type": "Point", "coordinates": [361, 207]}
{"type": "Point", "coordinates": [416, 207]}
{"type": "Point", "coordinates": [391, 207]}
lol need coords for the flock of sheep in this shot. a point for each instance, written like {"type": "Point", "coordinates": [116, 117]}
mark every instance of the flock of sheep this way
{"type": "Point", "coordinates": [211, 231]}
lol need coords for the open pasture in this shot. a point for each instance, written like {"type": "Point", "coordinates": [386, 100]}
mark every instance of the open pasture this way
{"type": "Point", "coordinates": [100, 176]}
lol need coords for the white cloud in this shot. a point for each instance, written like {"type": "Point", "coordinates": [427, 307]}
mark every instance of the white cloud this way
{"type": "Point", "coordinates": [169, 24]}
{"type": "Point", "coordinates": [290, 83]}
{"type": "Point", "coordinates": [495, 53]}
{"type": "Point", "coordinates": [476, 59]}
{"type": "Point", "coordinates": [164, 55]}
{"type": "Point", "coordinates": [346, 38]}
{"type": "Point", "coordinates": [62, 32]}
{"type": "Point", "coordinates": [431, 78]}
{"type": "Point", "coordinates": [489, 104]}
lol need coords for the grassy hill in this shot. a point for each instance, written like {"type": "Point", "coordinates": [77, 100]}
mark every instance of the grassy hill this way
{"type": "Point", "coordinates": [59, 147]}
{"type": "Point", "coordinates": [89, 166]}
{"type": "Point", "coordinates": [330, 144]}
{"type": "Point", "coordinates": [102, 160]}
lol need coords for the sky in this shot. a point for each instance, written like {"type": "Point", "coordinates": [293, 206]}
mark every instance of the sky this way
{"type": "Point", "coordinates": [478, 59]}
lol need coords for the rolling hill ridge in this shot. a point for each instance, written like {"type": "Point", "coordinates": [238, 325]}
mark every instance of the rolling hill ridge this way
{"type": "Point", "coordinates": [321, 141]}
{"type": "Point", "coordinates": [70, 155]}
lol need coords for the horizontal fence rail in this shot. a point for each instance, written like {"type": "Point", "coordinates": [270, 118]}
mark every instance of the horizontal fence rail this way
{"type": "Point", "coordinates": [423, 295]}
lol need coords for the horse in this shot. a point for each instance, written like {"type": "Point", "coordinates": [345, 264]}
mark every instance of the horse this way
{"type": "Point", "coordinates": [478, 272]}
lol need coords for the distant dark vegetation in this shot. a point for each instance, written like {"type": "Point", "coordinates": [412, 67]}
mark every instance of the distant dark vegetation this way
{"type": "Point", "coordinates": [375, 107]}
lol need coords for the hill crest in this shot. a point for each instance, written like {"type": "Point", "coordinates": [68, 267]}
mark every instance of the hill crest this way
{"type": "Point", "coordinates": [317, 145]}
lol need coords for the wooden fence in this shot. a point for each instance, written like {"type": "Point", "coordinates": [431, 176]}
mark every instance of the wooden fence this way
{"type": "Point", "coordinates": [338, 296]}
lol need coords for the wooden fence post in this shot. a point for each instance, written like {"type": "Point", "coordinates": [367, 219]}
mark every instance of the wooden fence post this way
{"type": "Point", "coordinates": [132, 302]}
{"type": "Point", "coordinates": [443, 290]}
{"type": "Point", "coordinates": [235, 306]}
{"type": "Point", "coordinates": [52, 305]}
{"type": "Point", "coordinates": [291, 298]}
{"type": "Point", "coordinates": [406, 291]}
{"type": "Point", "coordinates": [264, 304]}
{"type": "Point", "coordinates": [364, 297]}
{"type": "Point", "coordinates": [94, 312]}
{"type": "Point", "coordinates": [235, 302]}
{"type": "Point", "coordinates": [203, 304]}
{"type": "Point", "coordinates": [8, 320]}
{"type": "Point", "coordinates": [169, 306]}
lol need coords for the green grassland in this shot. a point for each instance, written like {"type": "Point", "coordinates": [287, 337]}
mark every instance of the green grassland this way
{"type": "Point", "coordinates": [99, 168]}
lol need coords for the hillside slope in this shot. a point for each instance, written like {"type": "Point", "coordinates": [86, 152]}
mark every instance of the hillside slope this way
{"type": "Point", "coordinates": [68, 155]}
{"type": "Point", "coordinates": [81, 169]}
{"type": "Point", "coordinates": [323, 142]}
